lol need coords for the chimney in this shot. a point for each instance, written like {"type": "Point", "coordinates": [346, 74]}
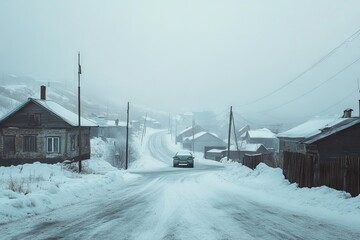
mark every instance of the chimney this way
{"type": "Point", "coordinates": [43, 92]}
{"type": "Point", "coordinates": [347, 113]}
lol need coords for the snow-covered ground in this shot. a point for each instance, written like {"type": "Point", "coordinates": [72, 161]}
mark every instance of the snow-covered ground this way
{"type": "Point", "coordinates": [153, 200]}
{"type": "Point", "coordinates": [268, 186]}
{"type": "Point", "coordinates": [32, 189]}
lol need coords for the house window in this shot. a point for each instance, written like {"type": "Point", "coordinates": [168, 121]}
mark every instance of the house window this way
{"type": "Point", "coordinates": [72, 142]}
{"type": "Point", "coordinates": [29, 144]}
{"type": "Point", "coordinates": [53, 144]}
{"type": "Point", "coordinates": [34, 119]}
{"type": "Point", "coordinates": [9, 144]}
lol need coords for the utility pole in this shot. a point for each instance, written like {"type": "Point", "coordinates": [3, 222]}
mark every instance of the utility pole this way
{"type": "Point", "coordinates": [175, 129]}
{"type": "Point", "coordinates": [79, 112]}
{"type": "Point", "coordinates": [144, 130]}
{"type": "Point", "coordinates": [230, 119]}
{"type": "Point", "coordinates": [193, 133]}
{"type": "Point", "coordinates": [359, 92]}
{"type": "Point", "coordinates": [127, 139]}
{"type": "Point", "coordinates": [169, 124]}
{"type": "Point", "coordinates": [236, 141]}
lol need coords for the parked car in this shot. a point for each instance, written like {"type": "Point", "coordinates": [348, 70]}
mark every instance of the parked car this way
{"type": "Point", "coordinates": [183, 159]}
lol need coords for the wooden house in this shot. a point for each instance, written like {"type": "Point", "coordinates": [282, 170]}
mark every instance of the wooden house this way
{"type": "Point", "coordinates": [42, 130]}
{"type": "Point", "coordinates": [323, 151]}
{"type": "Point", "coordinates": [262, 136]}
{"type": "Point", "coordinates": [188, 132]}
{"type": "Point", "coordinates": [201, 140]}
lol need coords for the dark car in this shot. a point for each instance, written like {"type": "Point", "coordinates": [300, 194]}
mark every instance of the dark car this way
{"type": "Point", "coordinates": [183, 159]}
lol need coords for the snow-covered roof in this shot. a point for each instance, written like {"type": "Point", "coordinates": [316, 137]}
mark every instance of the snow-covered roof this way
{"type": "Point", "coordinates": [66, 115]}
{"type": "Point", "coordinates": [244, 129]}
{"type": "Point", "coordinates": [200, 134]}
{"type": "Point", "coordinates": [244, 147]}
{"type": "Point", "coordinates": [311, 127]}
{"type": "Point", "coordinates": [261, 133]}
{"type": "Point", "coordinates": [249, 147]}
{"type": "Point", "coordinates": [196, 128]}
{"type": "Point", "coordinates": [216, 150]}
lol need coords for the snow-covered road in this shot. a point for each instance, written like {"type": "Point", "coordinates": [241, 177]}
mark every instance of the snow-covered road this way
{"type": "Point", "coordinates": [168, 203]}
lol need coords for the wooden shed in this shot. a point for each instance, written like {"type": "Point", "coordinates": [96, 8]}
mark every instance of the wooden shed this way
{"type": "Point", "coordinates": [323, 151]}
{"type": "Point", "coordinates": [42, 130]}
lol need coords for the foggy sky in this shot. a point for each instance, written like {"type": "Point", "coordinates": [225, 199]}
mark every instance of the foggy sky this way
{"type": "Point", "coordinates": [190, 55]}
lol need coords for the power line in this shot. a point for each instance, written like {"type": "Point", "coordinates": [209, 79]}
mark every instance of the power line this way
{"type": "Point", "coordinates": [337, 103]}
{"type": "Point", "coordinates": [313, 89]}
{"type": "Point", "coordinates": [348, 40]}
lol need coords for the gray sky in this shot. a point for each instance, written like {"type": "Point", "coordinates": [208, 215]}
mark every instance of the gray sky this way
{"type": "Point", "coordinates": [191, 55]}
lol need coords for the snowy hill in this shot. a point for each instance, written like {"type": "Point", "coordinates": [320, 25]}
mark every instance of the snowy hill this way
{"type": "Point", "coordinates": [15, 90]}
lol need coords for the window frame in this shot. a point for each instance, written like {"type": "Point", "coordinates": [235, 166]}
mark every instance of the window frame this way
{"type": "Point", "coordinates": [52, 147]}
{"type": "Point", "coordinates": [29, 143]}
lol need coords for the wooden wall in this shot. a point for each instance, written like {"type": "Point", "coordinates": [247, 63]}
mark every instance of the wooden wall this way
{"type": "Point", "coordinates": [307, 171]}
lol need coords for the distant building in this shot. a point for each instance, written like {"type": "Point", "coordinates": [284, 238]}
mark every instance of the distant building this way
{"type": "Point", "coordinates": [262, 136]}
{"type": "Point", "coordinates": [234, 154]}
{"type": "Point", "coordinates": [201, 140]}
{"type": "Point", "coordinates": [188, 132]}
{"type": "Point", "coordinates": [242, 132]}
{"type": "Point", "coordinates": [42, 130]}
{"type": "Point", "coordinates": [108, 128]}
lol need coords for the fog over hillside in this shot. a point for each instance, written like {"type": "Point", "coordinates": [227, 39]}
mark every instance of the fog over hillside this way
{"type": "Point", "coordinates": [16, 89]}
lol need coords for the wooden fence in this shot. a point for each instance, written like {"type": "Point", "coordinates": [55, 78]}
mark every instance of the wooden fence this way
{"type": "Point", "coordinates": [252, 161]}
{"type": "Point", "coordinates": [308, 171]}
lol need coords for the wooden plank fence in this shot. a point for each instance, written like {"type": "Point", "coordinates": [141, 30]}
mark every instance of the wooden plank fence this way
{"type": "Point", "coordinates": [307, 171]}
{"type": "Point", "coordinates": [251, 161]}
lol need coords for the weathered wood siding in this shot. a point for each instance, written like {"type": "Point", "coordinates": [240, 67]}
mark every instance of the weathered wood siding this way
{"type": "Point", "coordinates": [253, 160]}
{"type": "Point", "coordinates": [307, 171]}
{"type": "Point", "coordinates": [21, 118]}
{"type": "Point", "coordinates": [341, 144]}
{"type": "Point", "coordinates": [21, 124]}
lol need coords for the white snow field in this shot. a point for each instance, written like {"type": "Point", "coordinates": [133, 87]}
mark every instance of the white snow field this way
{"type": "Point", "coordinates": [153, 200]}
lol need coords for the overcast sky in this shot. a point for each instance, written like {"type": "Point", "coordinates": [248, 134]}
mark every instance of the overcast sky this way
{"type": "Point", "coordinates": [191, 55]}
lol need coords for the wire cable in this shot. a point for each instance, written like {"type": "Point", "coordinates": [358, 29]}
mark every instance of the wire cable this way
{"type": "Point", "coordinates": [313, 89]}
{"type": "Point", "coordinates": [348, 40]}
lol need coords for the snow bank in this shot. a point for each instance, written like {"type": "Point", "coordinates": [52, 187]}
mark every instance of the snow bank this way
{"type": "Point", "coordinates": [268, 186]}
{"type": "Point", "coordinates": [32, 189]}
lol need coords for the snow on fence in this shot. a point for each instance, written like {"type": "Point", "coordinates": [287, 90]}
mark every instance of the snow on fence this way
{"type": "Point", "coordinates": [252, 160]}
{"type": "Point", "coordinates": [340, 173]}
